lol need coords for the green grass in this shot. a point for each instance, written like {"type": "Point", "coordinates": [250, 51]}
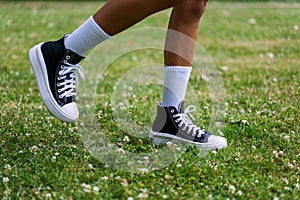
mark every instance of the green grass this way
{"type": "Point", "coordinates": [45, 158]}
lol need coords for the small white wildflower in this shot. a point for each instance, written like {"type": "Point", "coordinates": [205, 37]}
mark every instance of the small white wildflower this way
{"type": "Point", "coordinates": [245, 122]}
{"type": "Point", "coordinates": [105, 178]}
{"type": "Point", "coordinates": [130, 198]}
{"type": "Point", "coordinates": [7, 166]}
{"type": "Point", "coordinates": [291, 165]}
{"type": "Point", "coordinates": [287, 188]}
{"type": "Point", "coordinates": [91, 166]}
{"type": "Point", "coordinates": [169, 144]}
{"type": "Point", "coordinates": [5, 179]}
{"type": "Point", "coordinates": [232, 188]}
{"type": "Point", "coordinates": [165, 196]}
{"type": "Point", "coordinates": [179, 165]}
{"type": "Point", "coordinates": [214, 152]}
{"type": "Point", "coordinates": [48, 195]}
{"type": "Point", "coordinates": [96, 189]}
{"type": "Point", "coordinates": [34, 148]}
{"type": "Point", "coordinates": [261, 55]}
{"type": "Point", "coordinates": [296, 27]}
{"type": "Point", "coordinates": [286, 137]}
{"type": "Point", "coordinates": [56, 153]}
{"type": "Point", "coordinates": [270, 55]}
{"type": "Point", "coordinates": [53, 158]}
{"type": "Point", "coordinates": [253, 147]}
{"type": "Point", "coordinates": [239, 193]}
{"type": "Point", "coordinates": [224, 68]}
{"type": "Point", "coordinates": [276, 198]}
{"type": "Point", "coordinates": [256, 181]}
{"type": "Point", "coordinates": [275, 80]}
{"type": "Point", "coordinates": [120, 151]}
{"type": "Point", "coordinates": [126, 139]}
{"type": "Point", "coordinates": [252, 21]}
{"type": "Point", "coordinates": [285, 180]}
{"type": "Point", "coordinates": [142, 196]}
{"type": "Point", "coordinates": [297, 185]}
{"type": "Point", "coordinates": [281, 152]}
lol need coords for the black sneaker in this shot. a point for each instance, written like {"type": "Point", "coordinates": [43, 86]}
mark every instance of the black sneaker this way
{"type": "Point", "coordinates": [172, 124]}
{"type": "Point", "coordinates": [55, 69]}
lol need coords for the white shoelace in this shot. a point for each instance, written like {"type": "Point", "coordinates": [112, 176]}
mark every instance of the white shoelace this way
{"type": "Point", "coordinates": [69, 84]}
{"type": "Point", "coordinates": [185, 123]}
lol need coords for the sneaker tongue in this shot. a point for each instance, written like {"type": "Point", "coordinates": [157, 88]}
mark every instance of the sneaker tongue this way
{"type": "Point", "coordinates": [181, 107]}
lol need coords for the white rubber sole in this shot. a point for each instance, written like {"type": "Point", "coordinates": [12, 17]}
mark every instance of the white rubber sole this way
{"type": "Point", "coordinates": [215, 142]}
{"type": "Point", "coordinates": [40, 71]}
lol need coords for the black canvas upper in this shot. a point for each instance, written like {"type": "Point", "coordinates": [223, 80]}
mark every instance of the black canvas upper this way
{"type": "Point", "coordinates": [165, 123]}
{"type": "Point", "coordinates": [55, 53]}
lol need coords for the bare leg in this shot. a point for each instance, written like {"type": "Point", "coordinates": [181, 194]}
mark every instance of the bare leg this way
{"type": "Point", "coordinates": [117, 15]}
{"type": "Point", "coordinates": [181, 39]}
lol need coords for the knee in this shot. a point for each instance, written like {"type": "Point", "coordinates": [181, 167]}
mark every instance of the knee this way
{"type": "Point", "coordinates": [195, 8]}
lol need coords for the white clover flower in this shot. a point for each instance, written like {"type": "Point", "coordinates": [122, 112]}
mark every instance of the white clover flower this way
{"type": "Point", "coordinates": [261, 55]}
{"type": "Point", "coordinates": [270, 55]}
{"type": "Point", "coordinates": [239, 193]}
{"type": "Point", "coordinates": [214, 152]}
{"type": "Point", "coordinates": [142, 196]}
{"type": "Point", "coordinates": [91, 166]}
{"type": "Point", "coordinates": [231, 188]}
{"type": "Point", "coordinates": [252, 21]}
{"type": "Point", "coordinates": [5, 179]}
{"type": "Point", "coordinates": [7, 167]}
{"type": "Point", "coordinates": [120, 151]}
{"type": "Point", "coordinates": [126, 139]}
{"type": "Point", "coordinates": [96, 189]}
{"type": "Point", "coordinates": [245, 122]}
{"type": "Point", "coordinates": [48, 195]}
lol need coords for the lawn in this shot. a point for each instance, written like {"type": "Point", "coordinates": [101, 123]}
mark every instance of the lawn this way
{"type": "Point", "coordinates": [253, 50]}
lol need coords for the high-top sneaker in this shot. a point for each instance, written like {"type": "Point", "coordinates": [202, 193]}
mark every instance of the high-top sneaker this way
{"type": "Point", "coordinates": [172, 124]}
{"type": "Point", "coordinates": [55, 69]}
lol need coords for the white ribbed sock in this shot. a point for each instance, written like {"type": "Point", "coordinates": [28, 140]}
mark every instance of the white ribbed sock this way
{"type": "Point", "coordinates": [85, 37]}
{"type": "Point", "coordinates": [175, 82]}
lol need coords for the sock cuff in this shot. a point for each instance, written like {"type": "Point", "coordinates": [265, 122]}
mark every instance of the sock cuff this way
{"type": "Point", "coordinates": [179, 69]}
{"type": "Point", "coordinates": [98, 29]}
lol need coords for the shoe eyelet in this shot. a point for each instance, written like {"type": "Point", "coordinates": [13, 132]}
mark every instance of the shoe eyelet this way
{"type": "Point", "coordinates": [58, 84]}
{"type": "Point", "coordinates": [59, 90]}
{"type": "Point", "coordinates": [173, 116]}
{"type": "Point", "coordinates": [176, 120]}
{"type": "Point", "coordinates": [172, 111]}
{"type": "Point", "coordinates": [65, 62]}
{"type": "Point", "coordinates": [60, 96]}
{"type": "Point", "coordinates": [68, 57]}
